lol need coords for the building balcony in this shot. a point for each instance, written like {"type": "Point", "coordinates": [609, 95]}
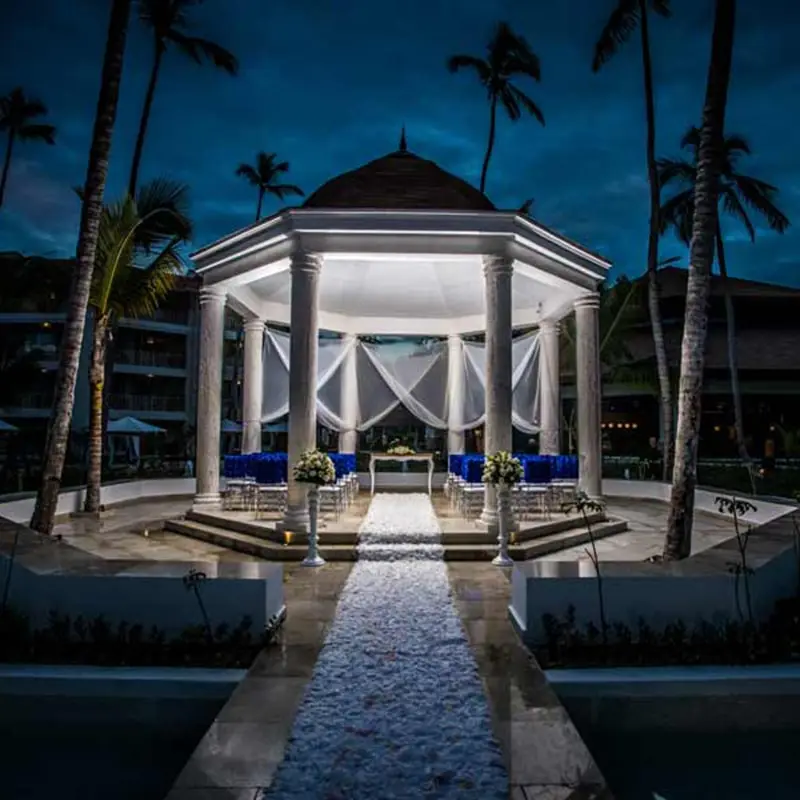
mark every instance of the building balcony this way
{"type": "Point", "coordinates": [150, 358]}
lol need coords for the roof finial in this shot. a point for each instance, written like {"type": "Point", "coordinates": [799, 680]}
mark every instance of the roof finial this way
{"type": "Point", "coordinates": [403, 145]}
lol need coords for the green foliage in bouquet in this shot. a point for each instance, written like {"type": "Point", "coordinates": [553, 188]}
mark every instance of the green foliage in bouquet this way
{"type": "Point", "coordinates": [502, 469]}
{"type": "Point", "coordinates": [314, 467]}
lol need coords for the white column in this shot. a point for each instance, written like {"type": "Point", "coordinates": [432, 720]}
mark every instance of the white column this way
{"type": "Point", "coordinates": [498, 272]}
{"type": "Point", "coordinates": [549, 389]}
{"type": "Point", "coordinates": [587, 346]}
{"type": "Point", "coordinates": [303, 345]}
{"type": "Point", "coordinates": [455, 394]}
{"type": "Point", "coordinates": [253, 385]}
{"type": "Point", "coordinates": [209, 393]}
{"type": "Point", "coordinates": [348, 436]}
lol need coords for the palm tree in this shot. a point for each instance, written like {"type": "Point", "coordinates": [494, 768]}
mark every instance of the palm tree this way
{"type": "Point", "coordinates": [72, 337]}
{"type": "Point", "coordinates": [264, 175]}
{"type": "Point", "coordinates": [710, 159]}
{"type": "Point", "coordinates": [136, 266]}
{"type": "Point", "coordinates": [17, 113]}
{"type": "Point", "coordinates": [620, 26]}
{"type": "Point", "coordinates": [508, 56]}
{"type": "Point", "coordinates": [738, 193]}
{"type": "Point", "coordinates": [169, 21]}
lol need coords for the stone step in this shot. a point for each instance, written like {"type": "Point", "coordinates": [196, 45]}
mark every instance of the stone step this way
{"type": "Point", "coordinates": [564, 540]}
{"type": "Point", "coordinates": [478, 549]}
{"type": "Point", "coordinates": [265, 533]}
{"type": "Point", "coordinates": [256, 545]}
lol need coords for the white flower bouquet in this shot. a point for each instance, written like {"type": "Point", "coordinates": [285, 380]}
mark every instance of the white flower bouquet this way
{"type": "Point", "coordinates": [314, 467]}
{"type": "Point", "coordinates": [400, 450]}
{"type": "Point", "coordinates": [502, 469]}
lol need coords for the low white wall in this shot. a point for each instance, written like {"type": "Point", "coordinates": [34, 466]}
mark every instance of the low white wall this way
{"type": "Point", "coordinates": [658, 599]}
{"type": "Point", "coordinates": [71, 500]}
{"type": "Point", "coordinates": [703, 500]}
{"type": "Point", "coordinates": [148, 599]}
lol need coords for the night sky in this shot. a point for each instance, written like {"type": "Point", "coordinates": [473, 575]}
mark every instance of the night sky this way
{"type": "Point", "coordinates": [327, 85]}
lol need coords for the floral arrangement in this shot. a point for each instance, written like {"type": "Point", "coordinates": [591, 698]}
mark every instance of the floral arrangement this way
{"type": "Point", "coordinates": [397, 448]}
{"type": "Point", "coordinates": [502, 469]}
{"type": "Point", "coordinates": [314, 467]}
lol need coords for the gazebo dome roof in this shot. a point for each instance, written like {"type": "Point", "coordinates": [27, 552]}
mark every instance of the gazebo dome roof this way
{"type": "Point", "coordinates": [402, 181]}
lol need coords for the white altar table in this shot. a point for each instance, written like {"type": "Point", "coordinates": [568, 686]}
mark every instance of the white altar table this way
{"type": "Point", "coordinates": [375, 457]}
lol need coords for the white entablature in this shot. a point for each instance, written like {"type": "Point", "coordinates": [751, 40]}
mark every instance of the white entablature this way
{"type": "Point", "coordinates": [401, 272]}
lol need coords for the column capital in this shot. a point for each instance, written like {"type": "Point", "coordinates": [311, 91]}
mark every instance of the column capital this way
{"type": "Point", "coordinates": [305, 261]}
{"type": "Point", "coordinates": [498, 265]}
{"type": "Point", "coordinates": [588, 301]}
{"type": "Point", "coordinates": [254, 325]}
{"type": "Point", "coordinates": [212, 295]}
{"type": "Point", "coordinates": [453, 338]}
{"type": "Point", "coordinates": [549, 326]}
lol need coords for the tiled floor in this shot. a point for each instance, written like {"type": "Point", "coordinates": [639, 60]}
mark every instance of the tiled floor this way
{"type": "Point", "coordinates": [545, 756]}
{"type": "Point", "coordinates": [120, 533]}
{"type": "Point", "coordinates": [246, 743]}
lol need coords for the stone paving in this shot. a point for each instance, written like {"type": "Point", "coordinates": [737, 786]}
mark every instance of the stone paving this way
{"type": "Point", "coordinates": [119, 534]}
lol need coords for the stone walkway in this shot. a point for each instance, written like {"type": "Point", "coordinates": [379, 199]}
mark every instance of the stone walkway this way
{"type": "Point", "coordinates": [542, 752]}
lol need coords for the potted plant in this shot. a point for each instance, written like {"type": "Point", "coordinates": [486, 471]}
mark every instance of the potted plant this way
{"type": "Point", "coordinates": [315, 469]}
{"type": "Point", "coordinates": [502, 471]}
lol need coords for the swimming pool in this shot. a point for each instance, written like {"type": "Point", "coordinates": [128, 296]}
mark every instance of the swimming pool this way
{"type": "Point", "coordinates": [732, 738]}
{"type": "Point", "coordinates": [126, 742]}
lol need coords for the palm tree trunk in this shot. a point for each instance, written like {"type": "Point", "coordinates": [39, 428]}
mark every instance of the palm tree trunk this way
{"type": "Point", "coordinates": [148, 105]}
{"type": "Point", "coordinates": [260, 201]}
{"type": "Point", "coordinates": [653, 304]}
{"type": "Point", "coordinates": [6, 166]}
{"type": "Point", "coordinates": [678, 542]}
{"type": "Point", "coordinates": [490, 144]}
{"type": "Point", "coordinates": [72, 337]}
{"type": "Point", "coordinates": [96, 382]}
{"type": "Point", "coordinates": [736, 391]}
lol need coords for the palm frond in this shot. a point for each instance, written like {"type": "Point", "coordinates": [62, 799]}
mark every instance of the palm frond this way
{"type": "Point", "coordinates": [143, 289]}
{"type": "Point", "coordinates": [481, 67]}
{"type": "Point", "coordinates": [43, 133]}
{"type": "Point", "coordinates": [661, 7]}
{"type": "Point", "coordinates": [678, 213]}
{"type": "Point", "coordinates": [199, 49]}
{"type": "Point", "coordinates": [527, 103]}
{"type": "Point", "coordinates": [758, 195]}
{"type": "Point", "coordinates": [510, 104]}
{"type": "Point", "coordinates": [618, 29]}
{"type": "Point", "coordinates": [732, 204]}
{"type": "Point", "coordinates": [163, 206]}
{"type": "Point", "coordinates": [248, 173]}
{"type": "Point", "coordinates": [673, 170]}
{"type": "Point", "coordinates": [281, 190]}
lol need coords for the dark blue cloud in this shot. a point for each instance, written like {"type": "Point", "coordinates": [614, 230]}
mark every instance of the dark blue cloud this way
{"type": "Point", "coordinates": [328, 85]}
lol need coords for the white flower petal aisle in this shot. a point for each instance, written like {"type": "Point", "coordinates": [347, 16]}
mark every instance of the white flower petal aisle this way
{"type": "Point", "coordinates": [395, 708]}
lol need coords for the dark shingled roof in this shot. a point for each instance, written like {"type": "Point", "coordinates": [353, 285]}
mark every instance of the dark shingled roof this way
{"type": "Point", "coordinates": [400, 180]}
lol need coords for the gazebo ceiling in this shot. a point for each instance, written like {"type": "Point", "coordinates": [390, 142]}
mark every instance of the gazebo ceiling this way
{"type": "Point", "coordinates": [400, 180]}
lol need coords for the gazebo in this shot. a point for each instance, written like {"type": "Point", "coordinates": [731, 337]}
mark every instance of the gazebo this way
{"type": "Point", "coordinates": [397, 247]}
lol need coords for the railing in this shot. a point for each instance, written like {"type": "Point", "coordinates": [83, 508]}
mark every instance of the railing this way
{"type": "Point", "coordinates": [173, 316]}
{"type": "Point", "coordinates": [151, 358]}
{"type": "Point", "coordinates": [31, 400]}
{"type": "Point", "coordinates": [138, 402]}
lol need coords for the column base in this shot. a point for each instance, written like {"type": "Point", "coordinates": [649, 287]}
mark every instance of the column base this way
{"type": "Point", "coordinates": [295, 520]}
{"type": "Point", "coordinates": [207, 499]}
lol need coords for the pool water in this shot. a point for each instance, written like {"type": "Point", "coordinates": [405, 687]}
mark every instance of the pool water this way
{"type": "Point", "coordinates": [643, 756]}
{"type": "Point", "coordinates": [82, 748]}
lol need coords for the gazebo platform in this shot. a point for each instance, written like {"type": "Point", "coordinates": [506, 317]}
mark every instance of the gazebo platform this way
{"type": "Point", "coordinates": [463, 540]}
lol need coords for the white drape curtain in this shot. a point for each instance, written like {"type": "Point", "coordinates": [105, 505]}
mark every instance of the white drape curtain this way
{"type": "Point", "coordinates": [407, 373]}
